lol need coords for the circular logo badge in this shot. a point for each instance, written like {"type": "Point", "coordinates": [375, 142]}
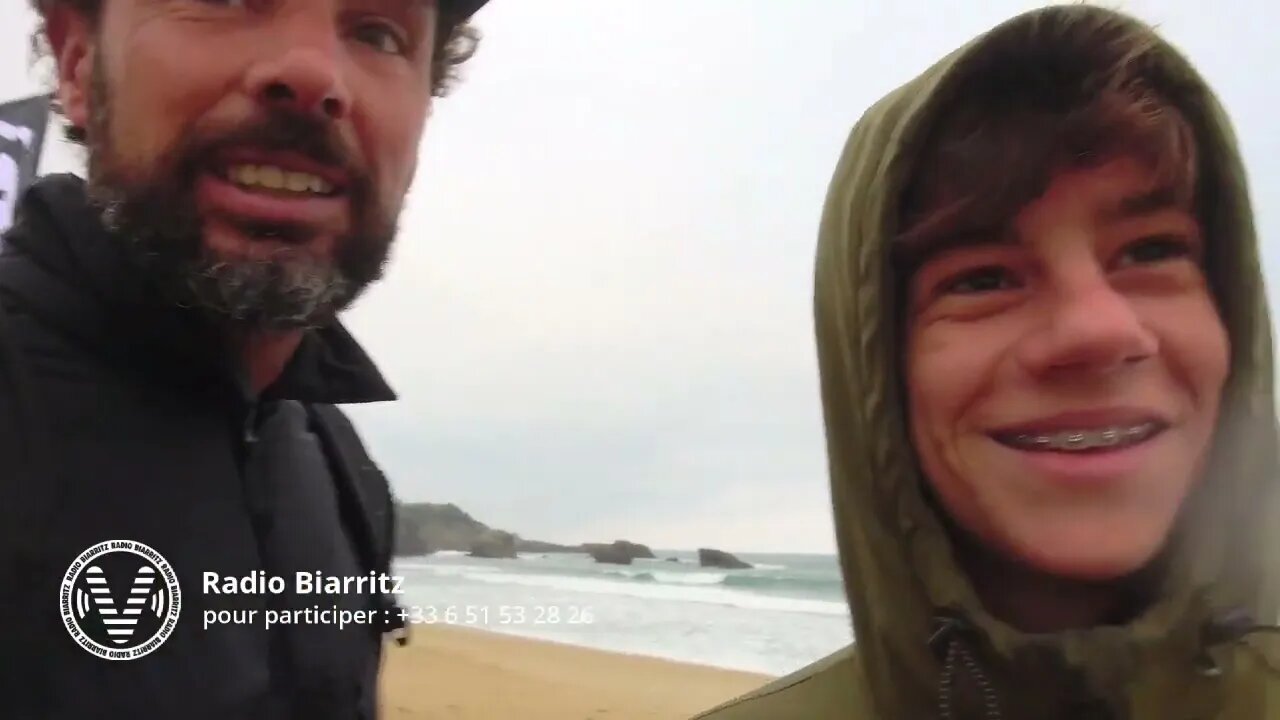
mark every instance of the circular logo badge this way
{"type": "Point", "coordinates": [120, 600]}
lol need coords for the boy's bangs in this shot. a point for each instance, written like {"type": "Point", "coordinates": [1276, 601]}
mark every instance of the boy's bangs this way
{"type": "Point", "coordinates": [1005, 136]}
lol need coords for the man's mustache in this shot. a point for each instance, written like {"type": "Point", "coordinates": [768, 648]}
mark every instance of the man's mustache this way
{"type": "Point", "coordinates": [316, 139]}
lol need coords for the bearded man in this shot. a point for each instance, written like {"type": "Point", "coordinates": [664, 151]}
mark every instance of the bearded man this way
{"type": "Point", "coordinates": [171, 358]}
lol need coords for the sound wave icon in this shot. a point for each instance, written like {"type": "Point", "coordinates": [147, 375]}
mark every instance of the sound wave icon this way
{"type": "Point", "coordinates": [121, 621]}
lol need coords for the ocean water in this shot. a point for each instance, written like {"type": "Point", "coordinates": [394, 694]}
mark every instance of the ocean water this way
{"type": "Point", "coordinates": [786, 612]}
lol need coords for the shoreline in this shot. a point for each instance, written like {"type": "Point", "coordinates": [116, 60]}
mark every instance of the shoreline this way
{"type": "Point", "coordinates": [781, 615]}
{"type": "Point", "coordinates": [464, 673]}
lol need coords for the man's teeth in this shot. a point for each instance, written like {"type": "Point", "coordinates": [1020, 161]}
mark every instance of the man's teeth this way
{"type": "Point", "coordinates": [1069, 440]}
{"type": "Point", "coordinates": [271, 177]}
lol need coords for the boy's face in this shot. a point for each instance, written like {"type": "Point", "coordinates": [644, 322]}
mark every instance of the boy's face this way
{"type": "Point", "coordinates": [1064, 379]}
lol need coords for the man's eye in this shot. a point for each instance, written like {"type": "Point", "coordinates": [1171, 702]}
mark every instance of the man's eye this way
{"type": "Point", "coordinates": [1156, 249]}
{"type": "Point", "coordinates": [979, 280]}
{"type": "Point", "coordinates": [381, 37]}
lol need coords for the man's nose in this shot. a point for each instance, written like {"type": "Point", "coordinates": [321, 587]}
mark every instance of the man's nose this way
{"type": "Point", "coordinates": [1090, 327]}
{"type": "Point", "coordinates": [305, 75]}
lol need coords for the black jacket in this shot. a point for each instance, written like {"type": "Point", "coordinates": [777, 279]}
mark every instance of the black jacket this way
{"type": "Point", "coordinates": [123, 418]}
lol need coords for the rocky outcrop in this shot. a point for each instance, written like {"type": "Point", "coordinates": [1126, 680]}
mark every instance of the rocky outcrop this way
{"type": "Point", "coordinates": [425, 528]}
{"type": "Point", "coordinates": [494, 544]}
{"type": "Point", "coordinates": [620, 552]}
{"type": "Point", "coordinates": [708, 557]}
{"type": "Point", "coordinates": [537, 546]}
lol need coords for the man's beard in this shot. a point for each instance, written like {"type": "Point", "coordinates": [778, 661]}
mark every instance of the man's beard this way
{"type": "Point", "coordinates": [153, 211]}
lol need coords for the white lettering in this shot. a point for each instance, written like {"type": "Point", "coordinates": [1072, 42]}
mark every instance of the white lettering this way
{"type": "Point", "coordinates": [17, 133]}
{"type": "Point", "coordinates": [8, 191]}
{"type": "Point", "coordinates": [255, 583]}
{"type": "Point", "coordinates": [231, 617]}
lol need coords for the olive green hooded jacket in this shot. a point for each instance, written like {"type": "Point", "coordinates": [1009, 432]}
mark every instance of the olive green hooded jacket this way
{"type": "Point", "coordinates": [1200, 652]}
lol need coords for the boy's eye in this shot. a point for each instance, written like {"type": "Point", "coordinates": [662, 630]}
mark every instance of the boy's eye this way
{"type": "Point", "coordinates": [979, 280]}
{"type": "Point", "coordinates": [1155, 249]}
{"type": "Point", "coordinates": [381, 37]}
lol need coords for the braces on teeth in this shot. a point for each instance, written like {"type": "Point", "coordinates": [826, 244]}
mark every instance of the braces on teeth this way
{"type": "Point", "coordinates": [1085, 439]}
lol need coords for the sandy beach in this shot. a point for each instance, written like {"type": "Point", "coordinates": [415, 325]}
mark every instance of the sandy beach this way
{"type": "Point", "coordinates": [457, 673]}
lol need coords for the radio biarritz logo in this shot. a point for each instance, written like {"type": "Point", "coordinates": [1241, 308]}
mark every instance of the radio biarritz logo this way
{"type": "Point", "coordinates": [120, 600]}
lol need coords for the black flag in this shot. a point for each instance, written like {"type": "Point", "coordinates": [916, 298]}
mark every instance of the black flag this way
{"type": "Point", "coordinates": [22, 126]}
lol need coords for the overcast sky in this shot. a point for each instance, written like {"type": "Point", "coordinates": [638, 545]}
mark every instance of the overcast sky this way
{"type": "Point", "coordinates": [598, 318]}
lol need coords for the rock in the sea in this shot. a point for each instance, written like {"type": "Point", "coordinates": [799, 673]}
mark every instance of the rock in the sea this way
{"type": "Point", "coordinates": [673, 559]}
{"type": "Point", "coordinates": [610, 556]}
{"type": "Point", "coordinates": [620, 552]}
{"type": "Point", "coordinates": [494, 544]}
{"type": "Point", "coordinates": [708, 557]}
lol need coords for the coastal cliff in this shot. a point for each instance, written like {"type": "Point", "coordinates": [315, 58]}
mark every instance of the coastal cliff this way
{"type": "Point", "coordinates": [425, 528]}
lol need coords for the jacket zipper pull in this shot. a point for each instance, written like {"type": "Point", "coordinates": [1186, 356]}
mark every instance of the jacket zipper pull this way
{"type": "Point", "coordinates": [251, 425]}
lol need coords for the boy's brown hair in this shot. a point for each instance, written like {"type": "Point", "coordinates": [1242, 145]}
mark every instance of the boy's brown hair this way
{"type": "Point", "coordinates": [1059, 94]}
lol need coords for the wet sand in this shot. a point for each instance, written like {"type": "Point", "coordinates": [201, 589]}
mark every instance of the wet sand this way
{"type": "Point", "coordinates": [457, 673]}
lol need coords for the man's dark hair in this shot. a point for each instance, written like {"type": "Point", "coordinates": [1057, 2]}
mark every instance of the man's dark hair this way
{"type": "Point", "coordinates": [455, 43]}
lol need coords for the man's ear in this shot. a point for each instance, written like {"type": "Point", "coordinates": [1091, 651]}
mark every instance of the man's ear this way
{"type": "Point", "coordinates": [71, 38]}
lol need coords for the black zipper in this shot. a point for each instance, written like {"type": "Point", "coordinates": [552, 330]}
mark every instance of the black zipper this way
{"type": "Point", "coordinates": [249, 428]}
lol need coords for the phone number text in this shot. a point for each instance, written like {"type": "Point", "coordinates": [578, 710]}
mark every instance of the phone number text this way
{"type": "Point", "coordinates": [499, 614]}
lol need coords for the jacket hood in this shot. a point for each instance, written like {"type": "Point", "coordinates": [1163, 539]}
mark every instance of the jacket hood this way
{"type": "Point", "coordinates": [60, 264]}
{"type": "Point", "coordinates": [903, 582]}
